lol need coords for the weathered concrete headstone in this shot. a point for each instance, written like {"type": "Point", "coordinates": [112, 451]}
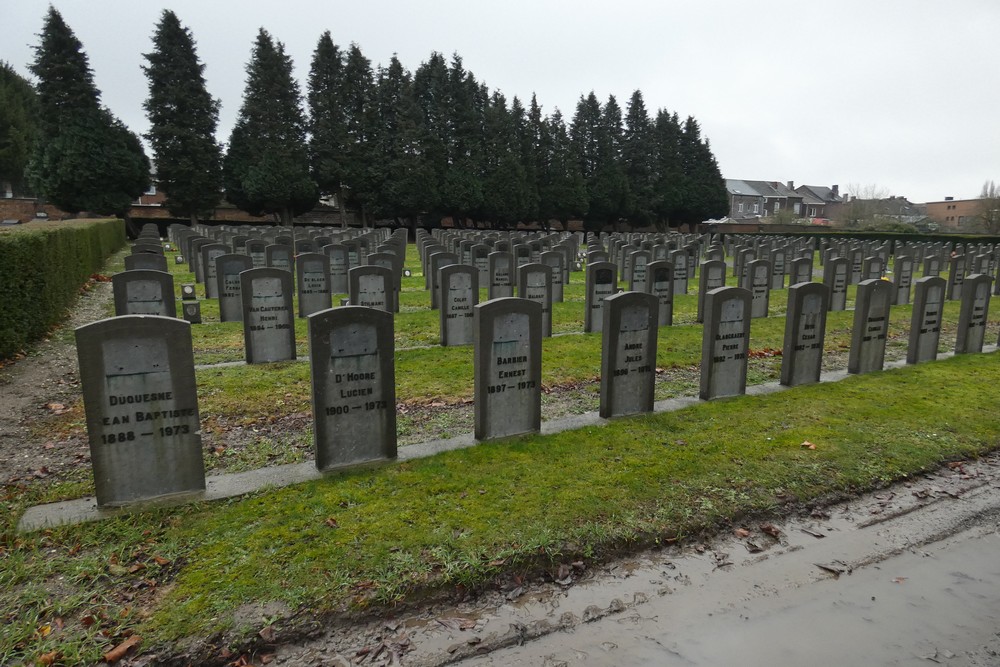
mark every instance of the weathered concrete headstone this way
{"type": "Point", "coordinates": [436, 262]}
{"type": "Point", "coordinates": [209, 253]}
{"type": "Point", "coordinates": [601, 282]}
{"type": "Point", "coordinates": [925, 322]}
{"type": "Point", "coordinates": [932, 265]}
{"type": "Point", "coordinates": [191, 310]}
{"type": "Point", "coordinates": [713, 275]}
{"type": "Point", "coordinates": [902, 278]}
{"type": "Point", "coordinates": [956, 277]}
{"type": "Point", "coordinates": [268, 321]}
{"type": "Point", "coordinates": [144, 292]}
{"type": "Point", "coordinates": [459, 297]}
{"type": "Point", "coordinates": [534, 283]}
{"type": "Point", "coordinates": [556, 261]}
{"type": "Point", "coordinates": [725, 342]}
{"type": "Point", "coordinates": [872, 268]}
{"type": "Point", "coordinates": [760, 283]}
{"type": "Point", "coordinates": [146, 261]}
{"type": "Point", "coordinates": [280, 256]}
{"type": "Point", "coordinates": [871, 326]}
{"type": "Point", "coordinates": [836, 275]}
{"type": "Point", "coordinates": [372, 287]}
{"type": "Point", "coordinates": [973, 314]}
{"type": "Point", "coordinates": [638, 260]}
{"type": "Point", "coordinates": [501, 267]}
{"type": "Point", "coordinates": [508, 368]}
{"type": "Point", "coordinates": [353, 386]}
{"type": "Point", "coordinates": [141, 402]}
{"type": "Point", "coordinates": [800, 271]}
{"type": "Point", "coordinates": [778, 261]}
{"type": "Point", "coordinates": [660, 283]}
{"type": "Point", "coordinates": [339, 267]}
{"type": "Point", "coordinates": [805, 332]}
{"type": "Point", "coordinates": [682, 270]}
{"type": "Point", "coordinates": [312, 277]}
{"type": "Point", "coordinates": [628, 354]}
{"type": "Point", "coordinates": [227, 271]}
{"type": "Point", "coordinates": [255, 249]}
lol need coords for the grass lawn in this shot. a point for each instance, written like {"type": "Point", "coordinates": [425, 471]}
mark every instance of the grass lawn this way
{"type": "Point", "coordinates": [376, 537]}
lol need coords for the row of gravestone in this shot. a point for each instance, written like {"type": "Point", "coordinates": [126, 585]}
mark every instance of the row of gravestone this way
{"type": "Point", "coordinates": [137, 373]}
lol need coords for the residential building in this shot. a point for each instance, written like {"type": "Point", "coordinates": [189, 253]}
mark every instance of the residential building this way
{"type": "Point", "coordinates": [819, 201]}
{"type": "Point", "coordinates": [956, 214]}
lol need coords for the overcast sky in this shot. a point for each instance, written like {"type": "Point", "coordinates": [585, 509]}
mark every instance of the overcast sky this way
{"type": "Point", "coordinates": [903, 95]}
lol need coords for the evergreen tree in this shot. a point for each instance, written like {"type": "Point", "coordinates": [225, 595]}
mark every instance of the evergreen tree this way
{"type": "Point", "coordinates": [609, 192]}
{"type": "Point", "coordinates": [327, 129]}
{"type": "Point", "coordinates": [705, 195]}
{"type": "Point", "coordinates": [85, 159]}
{"type": "Point", "coordinates": [356, 87]}
{"type": "Point", "coordinates": [637, 160]}
{"type": "Point", "coordinates": [18, 126]}
{"type": "Point", "coordinates": [183, 118]}
{"type": "Point", "coordinates": [505, 187]}
{"type": "Point", "coordinates": [407, 186]}
{"type": "Point", "coordinates": [670, 182]}
{"type": "Point", "coordinates": [267, 166]}
{"type": "Point", "coordinates": [562, 189]}
{"type": "Point", "coordinates": [525, 125]}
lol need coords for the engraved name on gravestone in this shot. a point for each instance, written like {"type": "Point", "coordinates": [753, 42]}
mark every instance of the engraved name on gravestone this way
{"type": "Point", "coordinates": [508, 368]}
{"type": "Point", "coordinates": [972, 316]}
{"type": "Point", "coordinates": [725, 340]}
{"type": "Point", "coordinates": [956, 277]}
{"type": "Point", "coordinates": [628, 354]}
{"type": "Point", "coordinates": [353, 386]}
{"type": "Point", "coordinates": [140, 398]}
{"type": "Point", "coordinates": [805, 332]}
{"type": "Point", "coordinates": [682, 270]}
{"type": "Point", "coordinates": [836, 275]}
{"type": "Point", "coordinates": [925, 321]}
{"type": "Point", "coordinates": [639, 279]}
{"type": "Point", "coordinates": [227, 270]}
{"type": "Point", "coordinates": [459, 297]}
{"type": "Point", "coordinates": [312, 274]}
{"type": "Point", "coordinates": [601, 281]}
{"type": "Point", "coordinates": [144, 292]}
{"type": "Point", "coordinates": [339, 267]}
{"type": "Point", "coordinates": [268, 331]}
{"type": "Point", "coordinates": [660, 282]}
{"type": "Point", "coordinates": [279, 256]}
{"type": "Point", "coordinates": [713, 275]}
{"type": "Point", "coordinates": [255, 251]}
{"type": "Point", "coordinates": [871, 326]}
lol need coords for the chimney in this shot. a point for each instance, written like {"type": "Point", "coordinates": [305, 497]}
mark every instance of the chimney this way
{"type": "Point", "coordinates": [836, 190]}
{"type": "Point", "coordinates": [791, 185]}
{"type": "Point", "coordinates": [949, 199]}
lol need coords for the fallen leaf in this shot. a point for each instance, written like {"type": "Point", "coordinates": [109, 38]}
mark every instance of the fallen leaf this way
{"type": "Point", "coordinates": [898, 580]}
{"type": "Point", "coordinates": [332, 523]}
{"type": "Point", "coordinates": [43, 631]}
{"type": "Point", "coordinates": [771, 530]}
{"type": "Point", "coordinates": [741, 532]}
{"type": "Point", "coordinates": [118, 652]}
{"type": "Point", "coordinates": [48, 658]}
{"type": "Point", "coordinates": [267, 633]}
{"type": "Point", "coordinates": [814, 533]}
{"type": "Point", "coordinates": [160, 560]}
{"type": "Point", "coordinates": [807, 445]}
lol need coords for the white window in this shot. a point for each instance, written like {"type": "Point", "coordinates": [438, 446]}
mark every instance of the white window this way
{"type": "Point", "coordinates": [777, 206]}
{"type": "Point", "coordinates": [812, 212]}
{"type": "Point", "coordinates": [739, 208]}
{"type": "Point", "coordinates": [756, 207]}
{"type": "Point", "coordinates": [151, 191]}
{"type": "Point", "coordinates": [797, 208]}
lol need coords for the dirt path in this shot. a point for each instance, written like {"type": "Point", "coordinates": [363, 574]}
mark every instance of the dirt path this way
{"type": "Point", "coordinates": [38, 386]}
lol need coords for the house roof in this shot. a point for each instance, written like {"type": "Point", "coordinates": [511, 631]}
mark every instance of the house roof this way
{"type": "Point", "coordinates": [737, 187]}
{"type": "Point", "coordinates": [821, 192]}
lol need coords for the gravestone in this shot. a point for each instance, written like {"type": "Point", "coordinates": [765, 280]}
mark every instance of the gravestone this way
{"type": "Point", "coordinates": [459, 296]}
{"type": "Point", "coordinates": [436, 262]}
{"type": "Point", "coordinates": [973, 314]}
{"type": "Point", "coordinates": [194, 256]}
{"type": "Point", "coordinates": [534, 283]}
{"type": "Point", "coordinates": [339, 267]}
{"type": "Point", "coordinates": [280, 256]}
{"type": "Point", "coordinates": [682, 270]}
{"type": "Point", "coordinates": [956, 277]}
{"type": "Point", "coordinates": [902, 278]}
{"type": "Point", "coordinates": [255, 251]}
{"type": "Point", "coordinates": [713, 275]}
{"type": "Point", "coordinates": [312, 278]}
{"type": "Point", "coordinates": [628, 354]}
{"type": "Point", "coordinates": [144, 292]}
{"type": "Point", "coordinates": [856, 257]}
{"type": "Point", "coordinates": [209, 253]}
{"type": "Point", "coordinates": [227, 271]}
{"type": "Point", "coordinates": [925, 322]}
{"type": "Point", "coordinates": [836, 275]}
{"type": "Point", "coordinates": [777, 259]}
{"type": "Point", "coordinates": [141, 402]}
{"type": "Point", "coordinates": [372, 287]}
{"type": "Point", "coordinates": [481, 260]}
{"type": "Point", "coordinates": [805, 332]}
{"type": "Point", "coordinates": [871, 326]}
{"type": "Point", "coordinates": [725, 342]}
{"type": "Point", "coordinates": [800, 270]}
{"type": "Point", "coordinates": [556, 261]}
{"type": "Point", "coordinates": [191, 310]}
{"type": "Point", "coordinates": [146, 261]}
{"type": "Point", "coordinates": [601, 281]}
{"type": "Point", "coordinates": [871, 268]}
{"type": "Point", "coordinates": [638, 281]}
{"type": "Point", "coordinates": [760, 281]}
{"type": "Point", "coordinates": [660, 282]}
{"type": "Point", "coordinates": [501, 268]}
{"type": "Point", "coordinates": [508, 368]}
{"type": "Point", "coordinates": [932, 265]}
{"type": "Point", "coordinates": [268, 322]}
{"type": "Point", "coordinates": [351, 353]}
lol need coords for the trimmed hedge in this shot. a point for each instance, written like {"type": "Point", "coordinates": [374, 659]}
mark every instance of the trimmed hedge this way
{"type": "Point", "coordinates": [42, 268]}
